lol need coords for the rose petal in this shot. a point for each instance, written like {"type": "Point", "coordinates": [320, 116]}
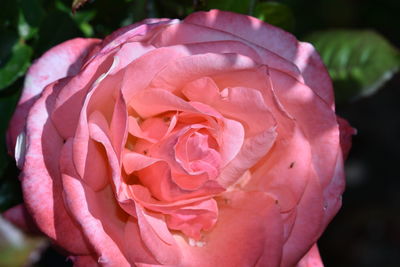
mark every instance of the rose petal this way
{"type": "Point", "coordinates": [182, 70]}
{"type": "Point", "coordinates": [41, 181]}
{"type": "Point", "coordinates": [157, 238]}
{"type": "Point", "coordinates": [101, 219]}
{"type": "Point", "coordinates": [133, 161]}
{"type": "Point", "coordinates": [309, 222]}
{"type": "Point", "coordinates": [272, 38]}
{"type": "Point", "coordinates": [316, 119]}
{"type": "Point", "coordinates": [346, 133]}
{"type": "Point", "coordinates": [19, 216]}
{"type": "Point", "coordinates": [84, 261]}
{"type": "Point", "coordinates": [62, 60]}
{"type": "Point", "coordinates": [311, 259]}
{"type": "Point", "coordinates": [153, 102]}
{"type": "Point", "coordinates": [194, 218]}
{"type": "Point", "coordinates": [217, 41]}
{"type": "Point", "coordinates": [241, 236]}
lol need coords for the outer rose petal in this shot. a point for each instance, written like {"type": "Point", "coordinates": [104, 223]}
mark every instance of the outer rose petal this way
{"type": "Point", "coordinates": [274, 39]}
{"type": "Point", "coordinates": [311, 259]}
{"type": "Point", "coordinates": [346, 132]}
{"type": "Point", "coordinates": [20, 217]}
{"type": "Point", "coordinates": [84, 261]}
{"type": "Point", "coordinates": [63, 60]}
{"type": "Point", "coordinates": [41, 181]}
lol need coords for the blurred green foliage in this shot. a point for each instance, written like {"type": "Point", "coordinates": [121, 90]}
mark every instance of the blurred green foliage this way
{"type": "Point", "coordinates": [359, 60]}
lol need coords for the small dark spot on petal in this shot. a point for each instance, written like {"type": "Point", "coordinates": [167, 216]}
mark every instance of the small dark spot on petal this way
{"type": "Point", "coordinates": [292, 165]}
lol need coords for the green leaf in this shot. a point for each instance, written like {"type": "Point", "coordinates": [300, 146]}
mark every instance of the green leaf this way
{"type": "Point", "coordinates": [239, 6]}
{"type": "Point", "coordinates": [16, 65]}
{"type": "Point", "coordinates": [359, 62]}
{"type": "Point", "coordinates": [276, 14]}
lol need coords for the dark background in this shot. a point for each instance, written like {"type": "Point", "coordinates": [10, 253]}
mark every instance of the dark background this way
{"type": "Point", "coordinates": [366, 232]}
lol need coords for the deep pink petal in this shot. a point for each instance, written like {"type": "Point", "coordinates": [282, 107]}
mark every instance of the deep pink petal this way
{"type": "Point", "coordinates": [346, 133]}
{"type": "Point", "coordinates": [84, 261]}
{"type": "Point", "coordinates": [20, 217]}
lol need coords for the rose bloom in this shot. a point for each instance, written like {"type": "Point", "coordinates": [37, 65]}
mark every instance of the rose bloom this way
{"type": "Point", "coordinates": [211, 141]}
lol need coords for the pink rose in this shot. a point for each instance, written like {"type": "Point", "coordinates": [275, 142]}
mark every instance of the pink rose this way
{"type": "Point", "coordinates": [211, 141]}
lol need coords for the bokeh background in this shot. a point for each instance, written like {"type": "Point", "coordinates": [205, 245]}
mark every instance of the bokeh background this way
{"type": "Point", "coordinates": [358, 40]}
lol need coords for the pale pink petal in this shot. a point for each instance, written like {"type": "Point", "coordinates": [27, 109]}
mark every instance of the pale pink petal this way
{"type": "Point", "coordinates": [214, 40]}
{"type": "Point", "coordinates": [41, 180]}
{"type": "Point", "coordinates": [133, 161]}
{"type": "Point", "coordinates": [203, 90]}
{"type": "Point", "coordinates": [119, 125]}
{"type": "Point", "coordinates": [127, 33]}
{"type": "Point", "coordinates": [101, 107]}
{"type": "Point", "coordinates": [253, 149]}
{"type": "Point", "coordinates": [284, 172]}
{"type": "Point", "coordinates": [248, 28]}
{"type": "Point", "coordinates": [192, 219]}
{"type": "Point", "coordinates": [183, 70]}
{"type": "Point", "coordinates": [153, 102]}
{"type": "Point", "coordinates": [138, 253]}
{"type": "Point", "coordinates": [316, 119]}
{"type": "Point", "coordinates": [315, 73]}
{"type": "Point", "coordinates": [96, 171]}
{"type": "Point", "coordinates": [274, 39]}
{"type": "Point", "coordinates": [248, 233]}
{"type": "Point", "coordinates": [247, 106]}
{"type": "Point", "coordinates": [69, 101]}
{"type": "Point", "coordinates": [140, 72]}
{"type": "Point", "coordinates": [61, 61]}
{"type": "Point", "coordinates": [157, 238]}
{"type": "Point", "coordinates": [92, 210]}
{"type": "Point", "coordinates": [311, 259]}
{"type": "Point", "coordinates": [309, 222]}
{"type": "Point", "coordinates": [135, 130]}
